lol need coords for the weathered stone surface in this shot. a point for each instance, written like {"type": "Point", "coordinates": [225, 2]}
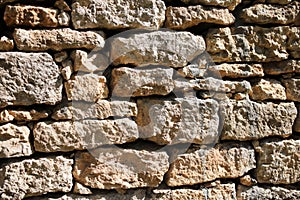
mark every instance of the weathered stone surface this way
{"type": "Point", "coordinates": [6, 44]}
{"type": "Point", "coordinates": [248, 43]}
{"type": "Point", "coordinates": [29, 78]}
{"type": "Point", "coordinates": [80, 189]}
{"type": "Point", "coordinates": [282, 2]}
{"type": "Point", "coordinates": [247, 180]}
{"type": "Point", "coordinates": [220, 192]}
{"type": "Point", "coordinates": [272, 14]}
{"type": "Point", "coordinates": [265, 89]}
{"type": "Point", "coordinates": [128, 82]}
{"type": "Point", "coordinates": [278, 162]}
{"type": "Point", "coordinates": [62, 5]}
{"type": "Point", "coordinates": [185, 17]}
{"type": "Point", "coordinates": [237, 70]}
{"type": "Point", "coordinates": [113, 168]}
{"type": "Point", "coordinates": [292, 87]}
{"type": "Point", "coordinates": [89, 87]}
{"type": "Point", "coordinates": [68, 136]}
{"type": "Point", "coordinates": [31, 16]}
{"type": "Point", "coordinates": [28, 115]}
{"type": "Point", "coordinates": [170, 122]}
{"type": "Point", "coordinates": [115, 14]}
{"type": "Point", "coordinates": [283, 67]}
{"type": "Point", "coordinates": [14, 141]}
{"type": "Point", "coordinates": [35, 177]}
{"type": "Point", "coordinates": [206, 165]}
{"type": "Point", "coordinates": [230, 4]}
{"type": "Point", "coordinates": [5, 116]}
{"type": "Point", "coordinates": [63, 19]}
{"type": "Point", "coordinates": [248, 120]}
{"type": "Point", "coordinates": [166, 48]}
{"type": "Point", "coordinates": [296, 126]}
{"type": "Point", "coordinates": [56, 39]}
{"type": "Point", "coordinates": [266, 193]}
{"type": "Point", "coordinates": [293, 43]}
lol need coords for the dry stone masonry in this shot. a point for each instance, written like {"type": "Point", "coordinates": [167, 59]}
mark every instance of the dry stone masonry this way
{"type": "Point", "coordinates": [150, 100]}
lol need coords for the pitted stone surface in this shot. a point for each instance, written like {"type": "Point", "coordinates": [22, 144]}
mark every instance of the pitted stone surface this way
{"type": "Point", "coordinates": [230, 4]}
{"type": "Point", "coordinates": [264, 89]}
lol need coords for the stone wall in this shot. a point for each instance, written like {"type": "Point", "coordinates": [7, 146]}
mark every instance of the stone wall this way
{"type": "Point", "coordinates": [97, 101]}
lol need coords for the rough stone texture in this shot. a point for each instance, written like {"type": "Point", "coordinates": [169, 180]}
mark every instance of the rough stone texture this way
{"type": "Point", "coordinates": [237, 70]}
{"type": "Point", "coordinates": [6, 44]}
{"type": "Point", "coordinates": [267, 89]}
{"type": "Point", "coordinates": [272, 14]}
{"type": "Point", "coordinates": [247, 180]}
{"type": "Point", "coordinates": [282, 2]}
{"type": "Point", "coordinates": [220, 192]}
{"type": "Point", "coordinates": [29, 78]}
{"type": "Point", "coordinates": [128, 82]}
{"type": "Point", "coordinates": [185, 17]}
{"type": "Point", "coordinates": [28, 115]}
{"type": "Point", "coordinates": [14, 141]}
{"type": "Point", "coordinates": [80, 189]}
{"type": "Point", "coordinates": [56, 39]}
{"type": "Point", "coordinates": [166, 48]}
{"type": "Point", "coordinates": [230, 4]}
{"type": "Point", "coordinates": [278, 162]}
{"type": "Point", "coordinates": [248, 120]}
{"type": "Point", "coordinates": [207, 165]}
{"type": "Point", "coordinates": [283, 67]}
{"type": "Point", "coordinates": [113, 168]}
{"type": "Point", "coordinates": [116, 14]}
{"type": "Point", "coordinates": [89, 87]}
{"type": "Point", "coordinates": [170, 122]}
{"type": "Point", "coordinates": [249, 43]}
{"type": "Point", "coordinates": [5, 116]}
{"type": "Point", "coordinates": [292, 87]}
{"type": "Point", "coordinates": [35, 177]}
{"type": "Point", "coordinates": [62, 5]}
{"type": "Point", "coordinates": [68, 136]}
{"type": "Point", "coordinates": [266, 193]}
{"type": "Point", "coordinates": [31, 16]}
{"type": "Point", "coordinates": [297, 121]}
{"type": "Point", "coordinates": [293, 42]}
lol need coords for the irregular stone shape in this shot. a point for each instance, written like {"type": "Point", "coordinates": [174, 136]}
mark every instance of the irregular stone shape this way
{"type": "Point", "coordinates": [170, 122]}
{"type": "Point", "coordinates": [278, 162]}
{"type": "Point", "coordinates": [237, 70]}
{"type": "Point", "coordinates": [79, 135]}
{"type": "Point", "coordinates": [34, 177]}
{"type": "Point", "coordinates": [80, 189]}
{"type": "Point", "coordinates": [283, 67]}
{"type": "Point", "coordinates": [266, 193]}
{"type": "Point", "coordinates": [89, 87]}
{"type": "Point", "coordinates": [6, 44]}
{"type": "Point", "coordinates": [220, 192]}
{"type": "Point", "coordinates": [166, 48]}
{"type": "Point", "coordinates": [247, 180]}
{"type": "Point", "coordinates": [28, 115]}
{"type": "Point", "coordinates": [62, 5]}
{"type": "Point", "coordinates": [192, 71]}
{"type": "Point", "coordinates": [207, 165]}
{"type": "Point", "coordinates": [293, 43]}
{"type": "Point", "coordinates": [272, 14]}
{"type": "Point", "coordinates": [56, 39]}
{"type": "Point", "coordinates": [296, 126]}
{"type": "Point", "coordinates": [248, 43]}
{"type": "Point", "coordinates": [115, 14]}
{"type": "Point", "coordinates": [248, 120]}
{"type": "Point", "coordinates": [267, 89]}
{"type": "Point", "coordinates": [282, 2]}
{"type": "Point", "coordinates": [14, 141]}
{"type": "Point", "coordinates": [230, 4]}
{"type": "Point", "coordinates": [128, 82]}
{"type": "Point", "coordinates": [185, 17]}
{"type": "Point", "coordinates": [114, 168]}
{"type": "Point", "coordinates": [31, 16]}
{"type": "Point", "coordinates": [5, 116]}
{"type": "Point", "coordinates": [292, 87]}
{"type": "Point", "coordinates": [35, 80]}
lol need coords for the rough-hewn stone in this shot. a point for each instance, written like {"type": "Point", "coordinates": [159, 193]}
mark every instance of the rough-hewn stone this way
{"type": "Point", "coordinates": [68, 136]}
{"type": "Point", "coordinates": [282, 2]}
{"type": "Point", "coordinates": [6, 44]}
{"type": "Point", "coordinates": [247, 180]}
{"type": "Point", "coordinates": [272, 14]}
{"type": "Point", "coordinates": [293, 43]}
{"type": "Point", "coordinates": [113, 168]}
{"type": "Point", "coordinates": [296, 126]}
{"type": "Point", "coordinates": [283, 67]}
{"type": "Point", "coordinates": [265, 89]}
{"type": "Point", "coordinates": [29, 78]}
{"type": "Point", "coordinates": [266, 193]}
{"type": "Point", "coordinates": [31, 16]}
{"type": "Point", "coordinates": [278, 162]}
{"type": "Point", "coordinates": [166, 48]}
{"type": "Point", "coordinates": [62, 5]}
{"type": "Point", "coordinates": [220, 192]}
{"type": "Point", "coordinates": [206, 165]}
{"type": "Point", "coordinates": [56, 39]}
{"type": "Point", "coordinates": [237, 70]}
{"type": "Point", "coordinates": [89, 87]}
{"type": "Point", "coordinates": [14, 141]}
{"type": "Point", "coordinates": [35, 177]}
{"type": "Point", "coordinates": [292, 87]}
{"type": "Point", "coordinates": [230, 4]}
{"type": "Point", "coordinates": [248, 43]}
{"type": "Point", "coordinates": [81, 189]}
{"type": "Point", "coordinates": [170, 122]}
{"type": "Point", "coordinates": [185, 17]}
{"type": "Point", "coordinates": [248, 120]}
